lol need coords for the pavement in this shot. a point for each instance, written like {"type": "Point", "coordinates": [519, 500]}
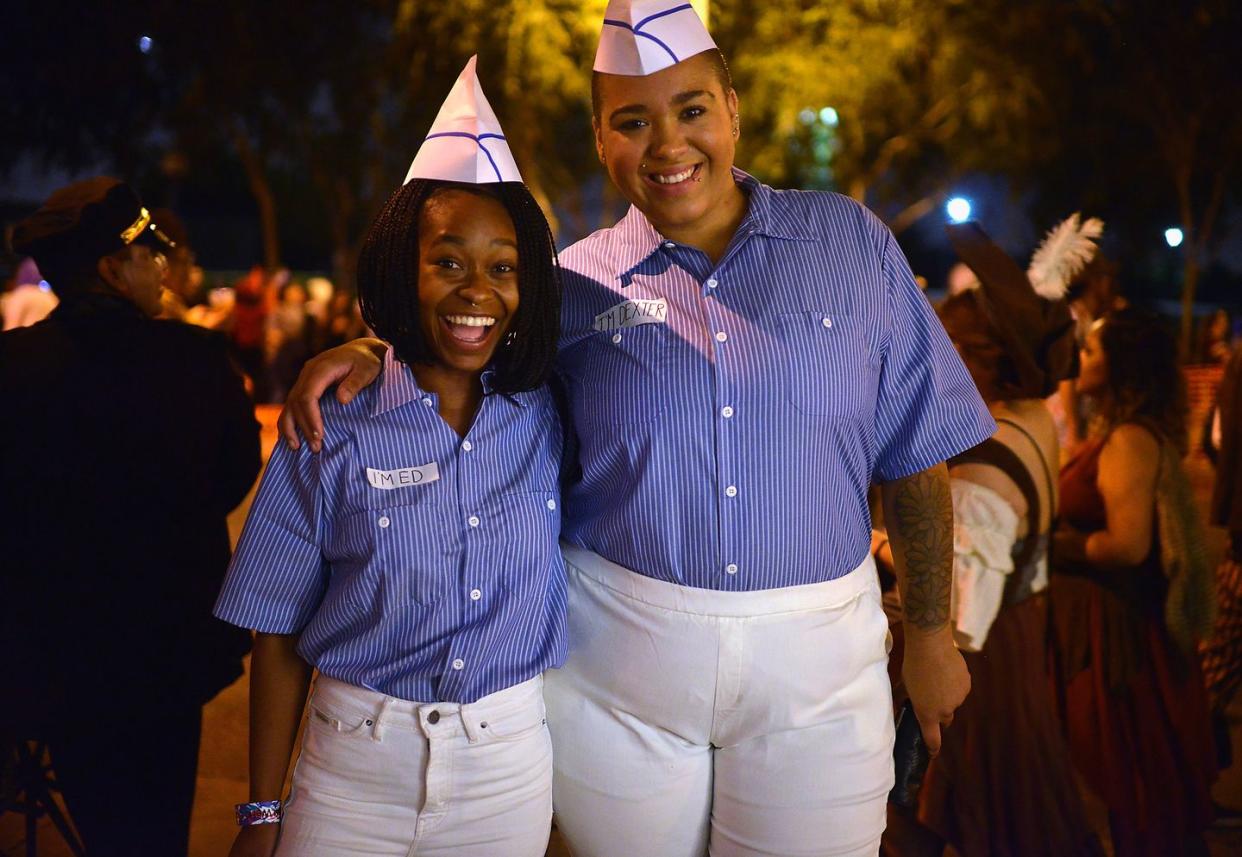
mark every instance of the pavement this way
{"type": "Point", "coordinates": [222, 773]}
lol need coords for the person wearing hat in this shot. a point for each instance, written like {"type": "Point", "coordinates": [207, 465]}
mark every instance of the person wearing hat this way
{"type": "Point", "coordinates": [740, 363]}
{"type": "Point", "coordinates": [124, 443]}
{"type": "Point", "coordinates": [414, 561]}
{"type": "Point", "coordinates": [1003, 782]}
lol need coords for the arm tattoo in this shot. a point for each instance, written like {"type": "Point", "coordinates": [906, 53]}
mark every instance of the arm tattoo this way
{"type": "Point", "coordinates": [922, 527]}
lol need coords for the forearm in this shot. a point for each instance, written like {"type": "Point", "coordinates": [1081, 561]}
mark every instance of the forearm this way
{"type": "Point", "coordinates": [919, 513]}
{"type": "Point", "coordinates": [279, 679]}
{"type": "Point", "coordinates": [1077, 552]}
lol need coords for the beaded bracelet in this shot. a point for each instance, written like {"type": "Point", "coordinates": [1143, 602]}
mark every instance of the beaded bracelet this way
{"type": "Point", "coordinates": [259, 812]}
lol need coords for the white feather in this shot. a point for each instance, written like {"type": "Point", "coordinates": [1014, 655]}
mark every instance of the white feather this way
{"type": "Point", "coordinates": [1065, 250]}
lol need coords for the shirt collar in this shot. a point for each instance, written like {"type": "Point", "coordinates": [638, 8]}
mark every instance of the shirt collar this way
{"type": "Point", "coordinates": [397, 386]}
{"type": "Point", "coordinates": [640, 240]}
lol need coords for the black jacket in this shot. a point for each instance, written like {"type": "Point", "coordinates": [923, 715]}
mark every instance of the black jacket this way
{"type": "Point", "coordinates": [124, 444]}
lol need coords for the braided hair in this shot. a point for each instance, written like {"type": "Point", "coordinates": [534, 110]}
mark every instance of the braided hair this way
{"type": "Point", "coordinates": [388, 282]}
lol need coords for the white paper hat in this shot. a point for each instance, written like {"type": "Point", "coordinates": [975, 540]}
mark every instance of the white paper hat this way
{"type": "Point", "coordinates": [641, 37]}
{"type": "Point", "coordinates": [466, 143]}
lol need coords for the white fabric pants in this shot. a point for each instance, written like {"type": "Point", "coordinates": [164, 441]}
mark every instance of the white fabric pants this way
{"type": "Point", "coordinates": [379, 775]}
{"type": "Point", "coordinates": [750, 723]}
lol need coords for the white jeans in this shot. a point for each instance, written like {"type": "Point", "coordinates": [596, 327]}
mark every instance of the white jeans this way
{"type": "Point", "coordinates": [379, 775]}
{"type": "Point", "coordinates": [753, 723]}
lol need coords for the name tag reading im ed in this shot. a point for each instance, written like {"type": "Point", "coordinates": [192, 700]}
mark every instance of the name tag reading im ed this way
{"type": "Point", "coordinates": [403, 478]}
{"type": "Point", "coordinates": [632, 314]}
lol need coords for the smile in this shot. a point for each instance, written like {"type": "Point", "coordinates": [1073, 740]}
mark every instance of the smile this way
{"type": "Point", "coordinates": [468, 330]}
{"type": "Point", "coordinates": [678, 178]}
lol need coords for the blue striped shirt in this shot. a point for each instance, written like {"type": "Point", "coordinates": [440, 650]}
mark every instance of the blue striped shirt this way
{"type": "Point", "coordinates": [729, 418]}
{"type": "Point", "coordinates": [410, 560]}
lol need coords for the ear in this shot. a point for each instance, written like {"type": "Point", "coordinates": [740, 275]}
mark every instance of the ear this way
{"type": "Point", "coordinates": [731, 100]}
{"type": "Point", "coordinates": [109, 270]}
{"type": "Point", "coordinates": [599, 139]}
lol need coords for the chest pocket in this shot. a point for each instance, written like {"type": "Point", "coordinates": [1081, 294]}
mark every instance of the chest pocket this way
{"type": "Point", "coordinates": [401, 554]}
{"type": "Point", "coordinates": [827, 364]}
{"type": "Point", "coordinates": [624, 375]}
{"type": "Point", "coordinates": [530, 526]}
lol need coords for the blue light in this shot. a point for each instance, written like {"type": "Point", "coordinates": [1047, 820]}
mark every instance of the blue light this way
{"type": "Point", "coordinates": [829, 117]}
{"type": "Point", "coordinates": [958, 209]}
{"type": "Point", "coordinates": [144, 44]}
{"type": "Point", "coordinates": [1174, 237]}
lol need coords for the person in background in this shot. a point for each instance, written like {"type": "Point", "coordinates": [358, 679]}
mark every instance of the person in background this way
{"type": "Point", "coordinates": [1130, 598]}
{"type": "Point", "coordinates": [183, 278]}
{"type": "Point", "coordinates": [30, 298]}
{"type": "Point", "coordinates": [1003, 783]}
{"type": "Point", "coordinates": [1094, 291]}
{"type": "Point", "coordinates": [291, 332]}
{"type": "Point", "coordinates": [1222, 652]}
{"type": "Point", "coordinates": [125, 441]}
{"type": "Point", "coordinates": [1215, 338]}
{"type": "Point", "coordinates": [248, 329]}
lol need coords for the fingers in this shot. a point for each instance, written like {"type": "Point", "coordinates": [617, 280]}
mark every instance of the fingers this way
{"type": "Point", "coordinates": [288, 429]}
{"type": "Point", "coordinates": [309, 420]}
{"type": "Point", "coordinates": [931, 736]}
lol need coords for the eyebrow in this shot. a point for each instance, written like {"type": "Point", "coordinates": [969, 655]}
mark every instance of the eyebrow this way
{"type": "Point", "coordinates": [457, 240]}
{"type": "Point", "coordinates": [679, 98]}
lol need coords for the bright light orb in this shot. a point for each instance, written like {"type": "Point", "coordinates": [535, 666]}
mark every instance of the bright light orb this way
{"type": "Point", "coordinates": [1173, 237]}
{"type": "Point", "coordinates": [829, 117]}
{"type": "Point", "coordinates": [806, 116]}
{"type": "Point", "coordinates": [144, 44]}
{"type": "Point", "coordinates": [958, 209]}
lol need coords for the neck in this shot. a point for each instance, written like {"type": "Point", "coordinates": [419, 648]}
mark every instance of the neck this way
{"type": "Point", "coordinates": [459, 393]}
{"type": "Point", "coordinates": [712, 232]}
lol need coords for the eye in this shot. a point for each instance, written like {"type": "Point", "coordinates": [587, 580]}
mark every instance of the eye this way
{"type": "Point", "coordinates": [632, 125]}
{"type": "Point", "coordinates": [504, 268]}
{"type": "Point", "coordinates": [693, 112]}
{"type": "Point", "coordinates": [448, 263]}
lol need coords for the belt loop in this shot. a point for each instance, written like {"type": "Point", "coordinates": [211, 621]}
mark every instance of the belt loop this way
{"type": "Point", "coordinates": [470, 724]}
{"type": "Point", "coordinates": [377, 732]}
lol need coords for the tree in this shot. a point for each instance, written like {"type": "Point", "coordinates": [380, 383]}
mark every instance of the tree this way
{"type": "Point", "coordinates": [920, 93]}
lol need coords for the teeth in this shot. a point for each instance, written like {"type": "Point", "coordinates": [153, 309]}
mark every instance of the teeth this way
{"type": "Point", "coordinates": [673, 179]}
{"type": "Point", "coordinates": [471, 320]}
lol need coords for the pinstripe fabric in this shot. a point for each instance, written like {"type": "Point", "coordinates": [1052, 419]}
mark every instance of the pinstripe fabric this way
{"type": "Point", "coordinates": [444, 590]}
{"type": "Point", "coordinates": [730, 445]}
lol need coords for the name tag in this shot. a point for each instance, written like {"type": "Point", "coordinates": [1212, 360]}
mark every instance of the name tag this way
{"type": "Point", "coordinates": [633, 313]}
{"type": "Point", "coordinates": [403, 478]}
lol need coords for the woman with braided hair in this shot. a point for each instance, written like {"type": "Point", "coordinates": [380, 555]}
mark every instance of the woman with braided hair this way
{"type": "Point", "coordinates": [413, 563]}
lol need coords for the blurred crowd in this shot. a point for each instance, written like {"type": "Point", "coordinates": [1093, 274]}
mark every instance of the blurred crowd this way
{"type": "Point", "coordinates": [274, 319]}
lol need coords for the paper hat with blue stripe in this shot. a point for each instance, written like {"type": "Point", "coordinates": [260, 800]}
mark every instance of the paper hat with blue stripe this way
{"type": "Point", "coordinates": [641, 37]}
{"type": "Point", "coordinates": [466, 143]}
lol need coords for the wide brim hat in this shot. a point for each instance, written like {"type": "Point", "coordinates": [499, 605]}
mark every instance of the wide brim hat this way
{"type": "Point", "coordinates": [1037, 333]}
{"type": "Point", "coordinates": [85, 221]}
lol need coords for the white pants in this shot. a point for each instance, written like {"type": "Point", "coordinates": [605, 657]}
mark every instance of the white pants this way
{"type": "Point", "coordinates": [380, 775]}
{"type": "Point", "coordinates": [753, 723]}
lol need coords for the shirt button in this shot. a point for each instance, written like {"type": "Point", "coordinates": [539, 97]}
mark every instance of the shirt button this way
{"type": "Point", "coordinates": [731, 491]}
{"type": "Point", "coordinates": [726, 411]}
{"type": "Point", "coordinates": [827, 322]}
{"type": "Point", "coordinates": [669, 245]}
{"type": "Point", "coordinates": [731, 568]}
{"type": "Point", "coordinates": [427, 401]}
{"type": "Point", "coordinates": [551, 504]}
{"type": "Point", "coordinates": [473, 520]}
{"type": "Point", "coordinates": [711, 284]}
{"type": "Point", "coordinates": [722, 336]}
{"type": "Point", "coordinates": [475, 594]}
{"type": "Point", "coordinates": [616, 337]}
{"type": "Point", "coordinates": [384, 522]}
{"type": "Point", "coordinates": [467, 445]}
{"type": "Point", "coordinates": [459, 664]}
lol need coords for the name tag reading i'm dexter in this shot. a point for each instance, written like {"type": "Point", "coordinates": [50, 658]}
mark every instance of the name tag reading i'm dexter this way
{"type": "Point", "coordinates": [632, 314]}
{"type": "Point", "coordinates": [403, 478]}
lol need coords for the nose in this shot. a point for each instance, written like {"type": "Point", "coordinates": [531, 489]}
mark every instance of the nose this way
{"type": "Point", "coordinates": [668, 143]}
{"type": "Point", "coordinates": [476, 288]}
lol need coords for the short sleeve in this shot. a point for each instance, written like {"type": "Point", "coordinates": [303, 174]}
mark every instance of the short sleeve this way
{"type": "Point", "coordinates": [278, 574]}
{"type": "Point", "coordinates": [928, 408]}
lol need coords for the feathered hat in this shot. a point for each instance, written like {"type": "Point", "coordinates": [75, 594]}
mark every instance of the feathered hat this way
{"type": "Point", "coordinates": [1028, 310]}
